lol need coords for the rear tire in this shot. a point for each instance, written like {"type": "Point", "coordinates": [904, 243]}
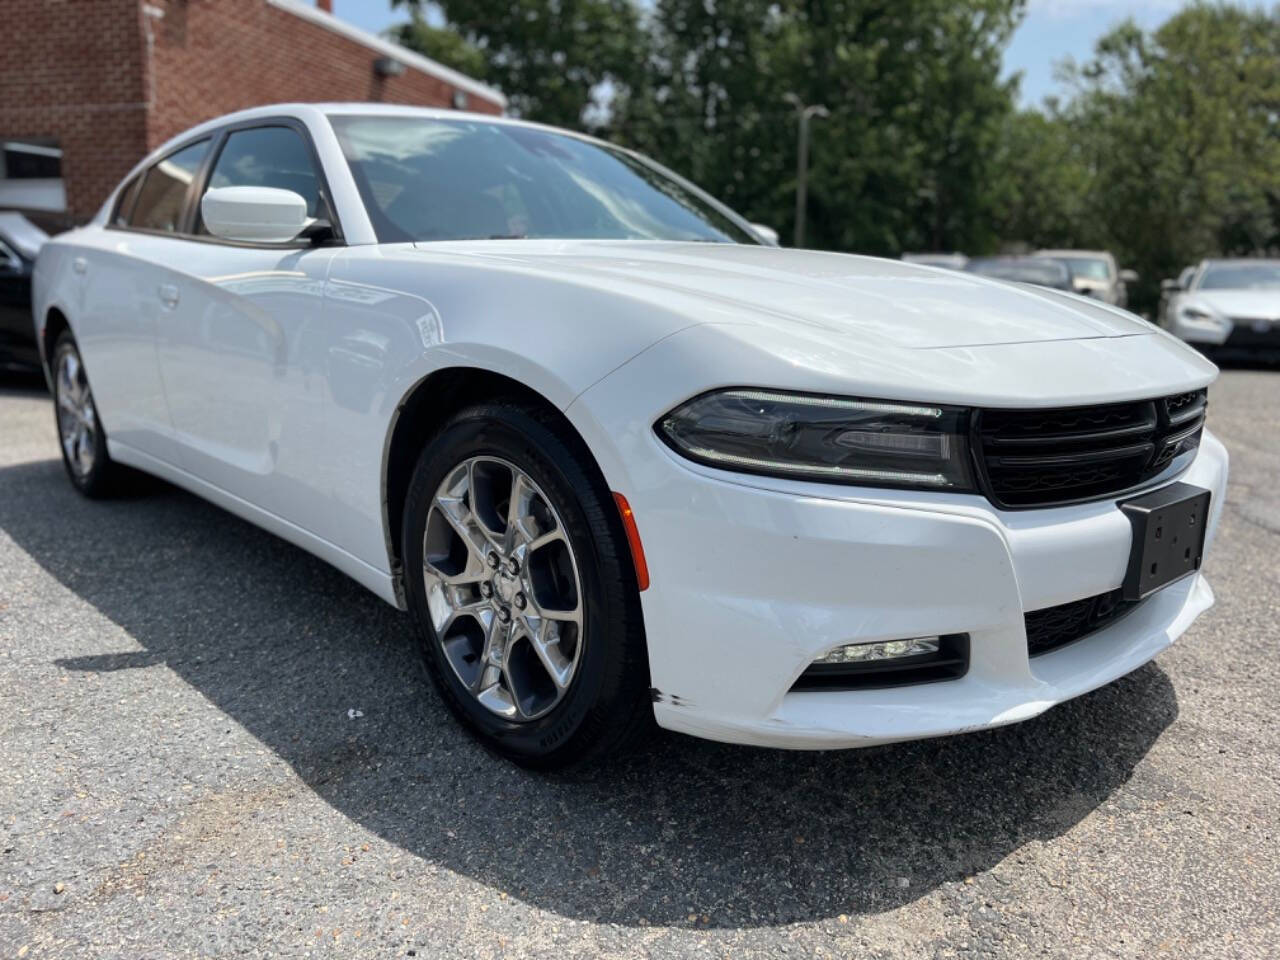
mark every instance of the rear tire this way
{"type": "Point", "coordinates": [522, 591]}
{"type": "Point", "coordinates": [80, 433]}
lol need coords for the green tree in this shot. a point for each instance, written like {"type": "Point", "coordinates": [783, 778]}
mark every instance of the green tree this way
{"type": "Point", "coordinates": [1180, 130]}
{"type": "Point", "coordinates": [442, 44]}
{"type": "Point", "coordinates": [558, 62]}
{"type": "Point", "coordinates": [1041, 179]}
{"type": "Point", "coordinates": [916, 112]}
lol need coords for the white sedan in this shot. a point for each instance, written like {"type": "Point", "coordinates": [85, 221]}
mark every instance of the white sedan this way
{"type": "Point", "coordinates": [619, 459]}
{"type": "Point", "coordinates": [1227, 306]}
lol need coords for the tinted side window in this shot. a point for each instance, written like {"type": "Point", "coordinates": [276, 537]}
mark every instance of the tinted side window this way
{"type": "Point", "coordinates": [125, 203]}
{"type": "Point", "coordinates": [268, 157]}
{"type": "Point", "coordinates": [159, 205]}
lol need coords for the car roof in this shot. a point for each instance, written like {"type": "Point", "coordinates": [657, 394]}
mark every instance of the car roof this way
{"type": "Point", "coordinates": [318, 111]}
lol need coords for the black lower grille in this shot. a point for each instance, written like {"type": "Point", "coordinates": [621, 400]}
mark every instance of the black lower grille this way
{"type": "Point", "coordinates": [1243, 336]}
{"type": "Point", "coordinates": [1036, 458]}
{"type": "Point", "coordinates": [1055, 627]}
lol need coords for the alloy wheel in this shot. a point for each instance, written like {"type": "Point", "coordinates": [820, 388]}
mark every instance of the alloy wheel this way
{"type": "Point", "coordinates": [503, 592]}
{"type": "Point", "coordinates": [77, 419]}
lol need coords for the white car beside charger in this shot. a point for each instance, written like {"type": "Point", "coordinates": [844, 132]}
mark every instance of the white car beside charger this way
{"type": "Point", "coordinates": [617, 457]}
{"type": "Point", "coordinates": [1227, 306]}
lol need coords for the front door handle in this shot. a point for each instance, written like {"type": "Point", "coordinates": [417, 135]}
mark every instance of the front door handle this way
{"type": "Point", "coordinates": [168, 294]}
{"type": "Point", "coordinates": [79, 264]}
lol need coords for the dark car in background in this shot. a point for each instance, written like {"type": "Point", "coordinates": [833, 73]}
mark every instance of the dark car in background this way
{"type": "Point", "coordinates": [20, 241]}
{"type": "Point", "coordinates": [1036, 270]}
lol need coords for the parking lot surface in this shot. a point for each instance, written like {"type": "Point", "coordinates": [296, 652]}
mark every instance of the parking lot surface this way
{"type": "Point", "coordinates": [212, 744]}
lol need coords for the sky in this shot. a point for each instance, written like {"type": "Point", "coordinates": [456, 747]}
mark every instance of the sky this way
{"type": "Point", "coordinates": [1051, 31]}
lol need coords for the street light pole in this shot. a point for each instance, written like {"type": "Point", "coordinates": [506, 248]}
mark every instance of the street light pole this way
{"type": "Point", "coordinates": [806, 113]}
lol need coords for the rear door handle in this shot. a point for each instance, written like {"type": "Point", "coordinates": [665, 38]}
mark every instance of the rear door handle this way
{"type": "Point", "coordinates": [168, 294]}
{"type": "Point", "coordinates": [79, 264]}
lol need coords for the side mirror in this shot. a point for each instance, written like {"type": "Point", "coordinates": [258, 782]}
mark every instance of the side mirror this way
{"type": "Point", "coordinates": [254, 214]}
{"type": "Point", "coordinates": [1170, 286]}
{"type": "Point", "coordinates": [767, 234]}
{"type": "Point", "coordinates": [1128, 276]}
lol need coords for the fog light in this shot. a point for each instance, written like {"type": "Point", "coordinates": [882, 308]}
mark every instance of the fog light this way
{"type": "Point", "coordinates": [887, 650]}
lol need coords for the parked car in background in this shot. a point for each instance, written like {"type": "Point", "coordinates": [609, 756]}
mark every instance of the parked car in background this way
{"type": "Point", "coordinates": [20, 242]}
{"type": "Point", "coordinates": [1035, 270]}
{"type": "Point", "coordinates": [1227, 305]}
{"type": "Point", "coordinates": [949, 261]}
{"type": "Point", "coordinates": [1168, 288]}
{"type": "Point", "coordinates": [619, 459]}
{"type": "Point", "coordinates": [1094, 274]}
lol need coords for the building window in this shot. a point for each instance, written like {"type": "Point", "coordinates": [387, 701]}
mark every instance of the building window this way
{"type": "Point", "coordinates": [31, 175]}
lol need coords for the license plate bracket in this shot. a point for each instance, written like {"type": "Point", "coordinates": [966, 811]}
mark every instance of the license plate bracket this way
{"type": "Point", "coordinates": [1168, 537]}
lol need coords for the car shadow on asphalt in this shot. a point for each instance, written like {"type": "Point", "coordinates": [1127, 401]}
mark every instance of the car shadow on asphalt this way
{"type": "Point", "coordinates": [284, 645]}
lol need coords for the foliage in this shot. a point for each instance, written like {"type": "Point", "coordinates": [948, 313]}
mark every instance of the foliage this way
{"type": "Point", "coordinates": [1181, 133]}
{"type": "Point", "coordinates": [915, 110]}
{"type": "Point", "coordinates": [443, 45]}
{"type": "Point", "coordinates": [555, 61]}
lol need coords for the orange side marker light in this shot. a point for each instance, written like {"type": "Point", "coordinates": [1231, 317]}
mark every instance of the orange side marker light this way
{"type": "Point", "coordinates": [633, 540]}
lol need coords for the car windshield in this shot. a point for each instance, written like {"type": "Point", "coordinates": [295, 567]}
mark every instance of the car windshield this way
{"type": "Point", "coordinates": [1087, 268]}
{"type": "Point", "coordinates": [1241, 276]}
{"type": "Point", "coordinates": [1044, 272]}
{"type": "Point", "coordinates": [424, 178]}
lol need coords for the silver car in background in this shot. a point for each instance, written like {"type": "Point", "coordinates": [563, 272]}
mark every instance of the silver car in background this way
{"type": "Point", "coordinates": [1227, 305]}
{"type": "Point", "coordinates": [1094, 274]}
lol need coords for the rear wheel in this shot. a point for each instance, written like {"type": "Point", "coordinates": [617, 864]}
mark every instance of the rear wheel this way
{"type": "Point", "coordinates": [83, 441]}
{"type": "Point", "coordinates": [521, 588]}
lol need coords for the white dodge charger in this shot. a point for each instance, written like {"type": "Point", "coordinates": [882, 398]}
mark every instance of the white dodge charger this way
{"type": "Point", "coordinates": [618, 458]}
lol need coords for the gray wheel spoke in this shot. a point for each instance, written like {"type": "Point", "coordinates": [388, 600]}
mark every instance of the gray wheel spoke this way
{"type": "Point", "coordinates": [569, 615]}
{"type": "Point", "coordinates": [494, 538]}
{"type": "Point", "coordinates": [542, 540]}
{"type": "Point", "coordinates": [463, 524]}
{"type": "Point", "coordinates": [472, 569]}
{"type": "Point", "coordinates": [546, 645]}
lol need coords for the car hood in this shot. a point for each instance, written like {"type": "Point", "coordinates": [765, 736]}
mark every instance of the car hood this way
{"type": "Point", "coordinates": [836, 295]}
{"type": "Point", "coordinates": [1244, 304]}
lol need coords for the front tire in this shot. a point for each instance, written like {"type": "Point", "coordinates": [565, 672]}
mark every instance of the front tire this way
{"type": "Point", "coordinates": [521, 588]}
{"type": "Point", "coordinates": [80, 434]}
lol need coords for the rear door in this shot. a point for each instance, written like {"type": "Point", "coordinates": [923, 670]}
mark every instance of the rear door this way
{"type": "Point", "coordinates": [129, 271]}
{"type": "Point", "coordinates": [242, 354]}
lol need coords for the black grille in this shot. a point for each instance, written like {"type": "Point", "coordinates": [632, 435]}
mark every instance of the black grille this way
{"type": "Point", "coordinates": [1054, 627]}
{"type": "Point", "coordinates": [1244, 336]}
{"type": "Point", "coordinates": [1035, 458]}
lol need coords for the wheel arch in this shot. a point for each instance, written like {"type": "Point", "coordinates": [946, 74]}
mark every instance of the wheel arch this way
{"type": "Point", "coordinates": [421, 411]}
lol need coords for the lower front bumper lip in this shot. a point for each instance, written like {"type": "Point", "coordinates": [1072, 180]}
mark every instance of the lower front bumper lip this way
{"type": "Point", "coordinates": [819, 720]}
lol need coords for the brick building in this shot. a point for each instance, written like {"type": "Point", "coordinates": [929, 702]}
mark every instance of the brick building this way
{"type": "Point", "coordinates": [88, 87]}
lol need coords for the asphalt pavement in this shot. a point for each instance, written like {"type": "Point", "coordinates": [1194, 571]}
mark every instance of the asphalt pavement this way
{"type": "Point", "coordinates": [212, 744]}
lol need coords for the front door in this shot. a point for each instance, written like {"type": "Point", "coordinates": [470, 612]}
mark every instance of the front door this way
{"type": "Point", "coordinates": [242, 355]}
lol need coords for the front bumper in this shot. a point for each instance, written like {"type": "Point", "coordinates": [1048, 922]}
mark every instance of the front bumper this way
{"type": "Point", "coordinates": [754, 578]}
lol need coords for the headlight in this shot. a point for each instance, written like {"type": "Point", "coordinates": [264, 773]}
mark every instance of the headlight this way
{"type": "Point", "coordinates": [1196, 315]}
{"type": "Point", "coordinates": [832, 439]}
